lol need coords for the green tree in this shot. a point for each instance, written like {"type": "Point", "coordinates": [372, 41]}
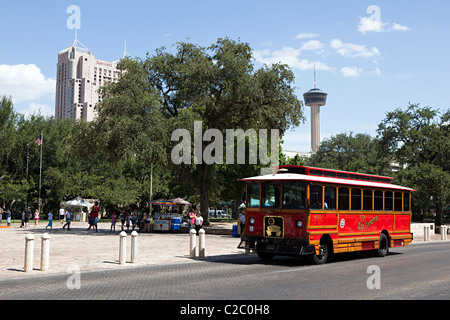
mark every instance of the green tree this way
{"type": "Point", "coordinates": [348, 152]}
{"type": "Point", "coordinates": [419, 137]}
{"type": "Point", "coordinates": [170, 90]}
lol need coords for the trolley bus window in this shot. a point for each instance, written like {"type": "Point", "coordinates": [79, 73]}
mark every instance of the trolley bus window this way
{"type": "Point", "coordinates": [315, 194]}
{"type": "Point", "coordinates": [271, 192]}
{"type": "Point", "coordinates": [378, 200]}
{"type": "Point", "coordinates": [294, 195]}
{"type": "Point", "coordinates": [253, 195]}
{"type": "Point", "coordinates": [344, 199]}
{"type": "Point", "coordinates": [356, 199]}
{"type": "Point", "coordinates": [406, 202]}
{"type": "Point", "coordinates": [330, 198]}
{"type": "Point", "coordinates": [367, 200]}
{"type": "Point", "coordinates": [388, 201]}
{"type": "Point", "coordinates": [398, 201]}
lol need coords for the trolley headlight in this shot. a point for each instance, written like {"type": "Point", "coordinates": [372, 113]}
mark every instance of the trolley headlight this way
{"type": "Point", "coordinates": [252, 220]}
{"type": "Point", "coordinates": [299, 223]}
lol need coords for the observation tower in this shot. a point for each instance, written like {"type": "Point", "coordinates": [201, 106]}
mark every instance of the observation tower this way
{"type": "Point", "coordinates": [315, 98]}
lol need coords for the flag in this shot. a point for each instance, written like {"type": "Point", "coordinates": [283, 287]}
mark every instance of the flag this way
{"type": "Point", "coordinates": [38, 141]}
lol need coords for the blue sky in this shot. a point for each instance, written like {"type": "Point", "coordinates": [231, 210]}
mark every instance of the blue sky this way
{"type": "Point", "coordinates": [371, 56]}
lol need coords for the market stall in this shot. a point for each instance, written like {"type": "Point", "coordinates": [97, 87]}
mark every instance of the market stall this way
{"type": "Point", "coordinates": [166, 220]}
{"type": "Point", "coordinates": [78, 208]}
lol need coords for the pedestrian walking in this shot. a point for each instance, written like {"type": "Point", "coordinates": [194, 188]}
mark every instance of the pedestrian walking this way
{"type": "Point", "coordinates": [147, 221]}
{"type": "Point", "coordinates": [50, 220]}
{"type": "Point", "coordinates": [94, 216]}
{"type": "Point", "coordinates": [1, 215]}
{"type": "Point", "coordinates": [113, 221]}
{"type": "Point", "coordinates": [124, 217]}
{"type": "Point", "coordinates": [191, 220]}
{"type": "Point", "coordinates": [67, 215]}
{"type": "Point", "coordinates": [198, 222]}
{"type": "Point", "coordinates": [8, 217]}
{"type": "Point", "coordinates": [62, 213]}
{"type": "Point", "coordinates": [89, 221]}
{"type": "Point", "coordinates": [134, 216]}
{"type": "Point", "coordinates": [36, 218]}
{"type": "Point", "coordinates": [26, 216]}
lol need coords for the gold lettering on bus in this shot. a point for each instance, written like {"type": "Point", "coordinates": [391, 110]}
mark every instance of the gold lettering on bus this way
{"type": "Point", "coordinates": [363, 224]}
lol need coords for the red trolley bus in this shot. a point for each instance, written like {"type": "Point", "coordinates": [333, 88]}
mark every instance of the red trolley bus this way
{"type": "Point", "coordinates": [318, 212]}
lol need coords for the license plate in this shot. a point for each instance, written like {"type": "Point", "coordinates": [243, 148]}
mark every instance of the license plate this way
{"type": "Point", "coordinates": [270, 247]}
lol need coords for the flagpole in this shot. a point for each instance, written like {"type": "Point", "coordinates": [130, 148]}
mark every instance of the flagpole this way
{"type": "Point", "coordinates": [40, 173]}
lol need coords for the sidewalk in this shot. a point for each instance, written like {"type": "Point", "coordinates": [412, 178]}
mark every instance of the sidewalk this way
{"type": "Point", "coordinates": [91, 251]}
{"type": "Point", "coordinates": [97, 251]}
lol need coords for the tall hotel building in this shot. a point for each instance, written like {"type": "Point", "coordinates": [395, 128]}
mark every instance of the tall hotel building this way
{"type": "Point", "coordinates": [79, 77]}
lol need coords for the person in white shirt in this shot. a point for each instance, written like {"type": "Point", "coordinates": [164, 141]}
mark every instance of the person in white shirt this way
{"type": "Point", "coordinates": [198, 222]}
{"type": "Point", "coordinates": [61, 215]}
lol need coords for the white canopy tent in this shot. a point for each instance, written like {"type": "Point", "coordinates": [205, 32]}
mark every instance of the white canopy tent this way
{"type": "Point", "coordinates": [77, 206]}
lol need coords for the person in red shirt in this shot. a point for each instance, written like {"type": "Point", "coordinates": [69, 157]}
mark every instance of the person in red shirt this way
{"type": "Point", "coordinates": [94, 216]}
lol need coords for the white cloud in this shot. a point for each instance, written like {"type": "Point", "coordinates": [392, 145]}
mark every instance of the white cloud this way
{"type": "Point", "coordinates": [289, 56]}
{"type": "Point", "coordinates": [376, 72]}
{"type": "Point", "coordinates": [25, 82]}
{"type": "Point", "coordinates": [371, 25]}
{"type": "Point", "coordinates": [306, 35]}
{"type": "Point", "coordinates": [351, 72]}
{"type": "Point", "coordinates": [399, 27]}
{"type": "Point", "coordinates": [312, 45]}
{"type": "Point", "coordinates": [351, 50]}
{"type": "Point", "coordinates": [42, 109]}
{"type": "Point", "coordinates": [368, 24]}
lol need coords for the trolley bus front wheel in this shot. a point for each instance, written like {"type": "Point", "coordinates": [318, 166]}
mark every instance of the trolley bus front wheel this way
{"type": "Point", "coordinates": [325, 252]}
{"type": "Point", "coordinates": [265, 256]}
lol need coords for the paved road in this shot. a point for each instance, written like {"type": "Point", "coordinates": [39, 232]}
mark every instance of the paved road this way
{"type": "Point", "coordinates": [419, 271]}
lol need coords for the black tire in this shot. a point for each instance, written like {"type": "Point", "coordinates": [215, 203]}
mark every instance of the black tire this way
{"type": "Point", "coordinates": [383, 247]}
{"type": "Point", "coordinates": [324, 253]}
{"type": "Point", "coordinates": [265, 256]}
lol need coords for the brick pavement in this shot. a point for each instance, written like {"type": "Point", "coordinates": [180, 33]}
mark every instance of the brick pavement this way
{"type": "Point", "coordinates": [90, 251]}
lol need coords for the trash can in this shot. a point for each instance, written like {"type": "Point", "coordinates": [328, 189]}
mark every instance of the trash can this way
{"type": "Point", "coordinates": [235, 231]}
{"type": "Point", "coordinates": [175, 224]}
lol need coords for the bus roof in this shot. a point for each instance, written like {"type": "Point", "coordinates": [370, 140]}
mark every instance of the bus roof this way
{"type": "Point", "coordinates": [287, 176]}
{"type": "Point", "coordinates": [331, 173]}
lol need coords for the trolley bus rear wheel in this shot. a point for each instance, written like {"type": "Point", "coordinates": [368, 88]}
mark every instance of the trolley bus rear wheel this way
{"type": "Point", "coordinates": [383, 248]}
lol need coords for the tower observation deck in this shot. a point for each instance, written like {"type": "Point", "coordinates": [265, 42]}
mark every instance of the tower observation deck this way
{"type": "Point", "coordinates": [315, 98]}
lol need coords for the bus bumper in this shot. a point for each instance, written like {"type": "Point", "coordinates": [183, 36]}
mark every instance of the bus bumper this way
{"type": "Point", "coordinates": [276, 246]}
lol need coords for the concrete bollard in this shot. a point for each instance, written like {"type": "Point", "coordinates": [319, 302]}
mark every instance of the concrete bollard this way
{"type": "Point", "coordinates": [201, 250]}
{"type": "Point", "coordinates": [29, 253]}
{"type": "Point", "coordinates": [193, 243]}
{"type": "Point", "coordinates": [443, 232]}
{"type": "Point", "coordinates": [426, 233]}
{"type": "Point", "coordinates": [45, 251]}
{"type": "Point", "coordinates": [134, 247]}
{"type": "Point", "coordinates": [122, 247]}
